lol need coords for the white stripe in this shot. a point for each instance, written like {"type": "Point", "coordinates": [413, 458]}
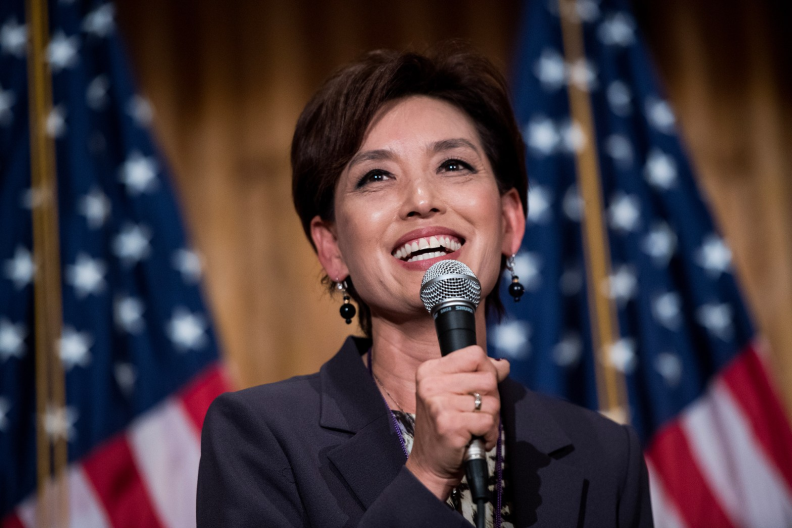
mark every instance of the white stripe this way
{"type": "Point", "coordinates": [85, 509]}
{"type": "Point", "coordinates": [733, 463]}
{"type": "Point", "coordinates": [167, 450]}
{"type": "Point", "coordinates": [664, 511]}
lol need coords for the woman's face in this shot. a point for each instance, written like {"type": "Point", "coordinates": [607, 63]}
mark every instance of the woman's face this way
{"type": "Point", "coordinates": [419, 190]}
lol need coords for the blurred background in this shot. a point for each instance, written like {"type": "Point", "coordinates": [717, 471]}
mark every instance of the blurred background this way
{"type": "Point", "coordinates": [229, 79]}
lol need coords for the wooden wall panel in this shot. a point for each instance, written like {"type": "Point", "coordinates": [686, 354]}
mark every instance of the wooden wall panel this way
{"type": "Point", "coordinates": [228, 80]}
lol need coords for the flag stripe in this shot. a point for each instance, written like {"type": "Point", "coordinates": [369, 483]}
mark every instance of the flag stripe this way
{"type": "Point", "coordinates": [85, 509]}
{"type": "Point", "coordinates": [664, 511]}
{"type": "Point", "coordinates": [201, 392]}
{"type": "Point", "coordinates": [748, 381]}
{"type": "Point", "coordinates": [171, 471]}
{"type": "Point", "coordinates": [115, 477]}
{"type": "Point", "coordinates": [677, 469]}
{"type": "Point", "coordinates": [12, 521]}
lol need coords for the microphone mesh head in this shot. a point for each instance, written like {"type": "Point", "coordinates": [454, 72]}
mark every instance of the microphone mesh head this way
{"type": "Point", "coordinates": [449, 279]}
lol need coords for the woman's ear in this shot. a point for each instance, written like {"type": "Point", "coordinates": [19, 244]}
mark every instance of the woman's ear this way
{"type": "Point", "coordinates": [513, 222]}
{"type": "Point", "coordinates": [326, 242]}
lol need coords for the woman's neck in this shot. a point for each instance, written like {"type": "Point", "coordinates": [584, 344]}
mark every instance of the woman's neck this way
{"type": "Point", "coordinates": [400, 348]}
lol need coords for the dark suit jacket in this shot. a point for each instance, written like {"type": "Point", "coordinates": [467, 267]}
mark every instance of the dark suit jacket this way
{"type": "Point", "coordinates": [320, 451]}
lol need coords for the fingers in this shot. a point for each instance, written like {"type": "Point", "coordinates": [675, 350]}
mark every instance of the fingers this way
{"type": "Point", "coordinates": [469, 359]}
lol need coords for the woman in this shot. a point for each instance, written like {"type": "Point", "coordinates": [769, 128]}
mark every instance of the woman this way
{"type": "Point", "coordinates": [400, 161]}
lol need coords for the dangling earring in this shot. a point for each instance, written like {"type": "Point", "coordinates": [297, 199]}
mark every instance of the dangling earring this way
{"type": "Point", "coordinates": [516, 289]}
{"type": "Point", "coordinates": [347, 310]}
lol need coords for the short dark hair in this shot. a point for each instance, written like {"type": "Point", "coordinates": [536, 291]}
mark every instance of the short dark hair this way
{"type": "Point", "coordinates": [332, 126]}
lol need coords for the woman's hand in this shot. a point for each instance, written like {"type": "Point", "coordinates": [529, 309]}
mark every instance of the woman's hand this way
{"type": "Point", "coordinates": [445, 415]}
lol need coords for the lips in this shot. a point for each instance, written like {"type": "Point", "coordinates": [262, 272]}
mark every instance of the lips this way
{"type": "Point", "coordinates": [417, 246]}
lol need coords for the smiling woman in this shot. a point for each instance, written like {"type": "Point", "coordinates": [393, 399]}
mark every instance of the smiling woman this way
{"type": "Point", "coordinates": [400, 161]}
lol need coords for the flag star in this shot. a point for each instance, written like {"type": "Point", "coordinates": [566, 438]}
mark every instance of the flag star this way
{"type": "Point", "coordinates": [539, 198]}
{"type": "Point", "coordinates": [86, 275]}
{"type": "Point", "coordinates": [12, 340]}
{"type": "Point", "coordinates": [567, 352]}
{"type": "Point", "coordinates": [660, 115]}
{"type": "Point", "coordinates": [619, 98]}
{"type": "Point", "coordinates": [100, 21]}
{"type": "Point", "coordinates": [542, 135]}
{"type": "Point", "coordinates": [74, 348]}
{"type": "Point", "coordinates": [622, 285]}
{"type": "Point", "coordinates": [572, 136]}
{"type": "Point", "coordinates": [583, 74]}
{"type": "Point", "coordinates": [131, 245]}
{"type": "Point", "coordinates": [624, 212]}
{"type": "Point", "coordinates": [526, 266]}
{"type": "Point", "coordinates": [621, 355]}
{"type": "Point", "coordinates": [660, 243]}
{"type": "Point", "coordinates": [20, 269]}
{"type": "Point", "coordinates": [714, 256]}
{"type": "Point", "coordinates": [126, 376]}
{"type": "Point", "coordinates": [660, 170]}
{"type": "Point", "coordinates": [13, 38]}
{"type": "Point", "coordinates": [186, 330]}
{"type": "Point", "coordinates": [571, 280]}
{"type": "Point", "coordinates": [5, 406]}
{"type": "Point", "coordinates": [7, 100]}
{"type": "Point", "coordinates": [617, 30]}
{"type": "Point", "coordinates": [128, 312]}
{"type": "Point", "coordinates": [511, 339]}
{"type": "Point", "coordinates": [139, 173]}
{"type": "Point", "coordinates": [95, 207]}
{"type": "Point", "coordinates": [139, 108]}
{"type": "Point", "coordinates": [59, 422]}
{"type": "Point", "coordinates": [619, 148]}
{"type": "Point", "coordinates": [717, 319]}
{"type": "Point", "coordinates": [188, 263]}
{"type": "Point", "coordinates": [96, 93]}
{"type": "Point", "coordinates": [669, 366]}
{"type": "Point", "coordinates": [666, 309]}
{"type": "Point", "coordinates": [573, 204]}
{"type": "Point", "coordinates": [56, 122]}
{"type": "Point", "coordinates": [32, 198]}
{"type": "Point", "coordinates": [62, 51]}
{"type": "Point", "coordinates": [550, 69]}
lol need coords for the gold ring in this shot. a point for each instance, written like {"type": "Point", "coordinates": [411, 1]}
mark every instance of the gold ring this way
{"type": "Point", "coordinates": [477, 402]}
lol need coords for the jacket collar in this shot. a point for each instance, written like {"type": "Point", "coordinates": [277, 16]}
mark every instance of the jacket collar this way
{"type": "Point", "coordinates": [544, 488]}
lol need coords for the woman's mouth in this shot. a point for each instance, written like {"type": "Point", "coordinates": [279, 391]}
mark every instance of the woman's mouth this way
{"type": "Point", "coordinates": [427, 247]}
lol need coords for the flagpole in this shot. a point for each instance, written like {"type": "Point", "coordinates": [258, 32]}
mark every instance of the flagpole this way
{"type": "Point", "coordinates": [52, 454]}
{"type": "Point", "coordinates": [611, 390]}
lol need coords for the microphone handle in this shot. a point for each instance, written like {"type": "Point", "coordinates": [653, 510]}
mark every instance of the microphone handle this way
{"type": "Point", "coordinates": [455, 322]}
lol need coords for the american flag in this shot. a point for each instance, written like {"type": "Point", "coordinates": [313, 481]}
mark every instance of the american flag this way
{"type": "Point", "coordinates": [137, 350]}
{"type": "Point", "coordinates": [674, 351]}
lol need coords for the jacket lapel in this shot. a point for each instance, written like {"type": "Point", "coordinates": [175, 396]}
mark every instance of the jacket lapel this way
{"type": "Point", "coordinates": [546, 490]}
{"type": "Point", "coordinates": [351, 402]}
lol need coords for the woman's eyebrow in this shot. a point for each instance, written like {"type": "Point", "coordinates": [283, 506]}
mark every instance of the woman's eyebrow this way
{"type": "Point", "coordinates": [370, 155]}
{"type": "Point", "coordinates": [448, 144]}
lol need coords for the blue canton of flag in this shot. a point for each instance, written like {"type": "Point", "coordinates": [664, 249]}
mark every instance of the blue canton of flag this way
{"type": "Point", "coordinates": [686, 347]}
{"type": "Point", "coordinates": [137, 347]}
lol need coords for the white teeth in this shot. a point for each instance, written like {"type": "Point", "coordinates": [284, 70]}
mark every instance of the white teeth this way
{"type": "Point", "coordinates": [441, 243]}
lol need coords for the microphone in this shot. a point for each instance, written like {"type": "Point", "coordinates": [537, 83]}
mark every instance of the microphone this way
{"type": "Point", "coordinates": [451, 293]}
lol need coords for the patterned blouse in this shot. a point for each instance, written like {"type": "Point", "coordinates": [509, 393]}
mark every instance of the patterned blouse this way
{"type": "Point", "coordinates": [460, 499]}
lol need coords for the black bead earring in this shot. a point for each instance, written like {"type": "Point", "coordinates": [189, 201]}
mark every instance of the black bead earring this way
{"type": "Point", "coordinates": [347, 310]}
{"type": "Point", "coordinates": [516, 289]}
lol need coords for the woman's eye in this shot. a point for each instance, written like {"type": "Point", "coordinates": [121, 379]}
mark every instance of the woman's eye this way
{"type": "Point", "coordinates": [372, 177]}
{"type": "Point", "coordinates": [455, 165]}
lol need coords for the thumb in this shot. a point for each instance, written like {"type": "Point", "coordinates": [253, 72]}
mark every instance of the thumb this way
{"type": "Point", "coordinates": [502, 367]}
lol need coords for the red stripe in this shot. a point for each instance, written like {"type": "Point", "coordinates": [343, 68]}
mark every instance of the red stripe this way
{"type": "Point", "coordinates": [115, 478]}
{"type": "Point", "coordinates": [682, 479]}
{"type": "Point", "coordinates": [753, 391]}
{"type": "Point", "coordinates": [12, 521]}
{"type": "Point", "coordinates": [201, 392]}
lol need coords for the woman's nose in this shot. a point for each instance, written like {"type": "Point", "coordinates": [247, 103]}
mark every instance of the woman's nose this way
{"type": "Point", "coordinates": [421, 199]}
